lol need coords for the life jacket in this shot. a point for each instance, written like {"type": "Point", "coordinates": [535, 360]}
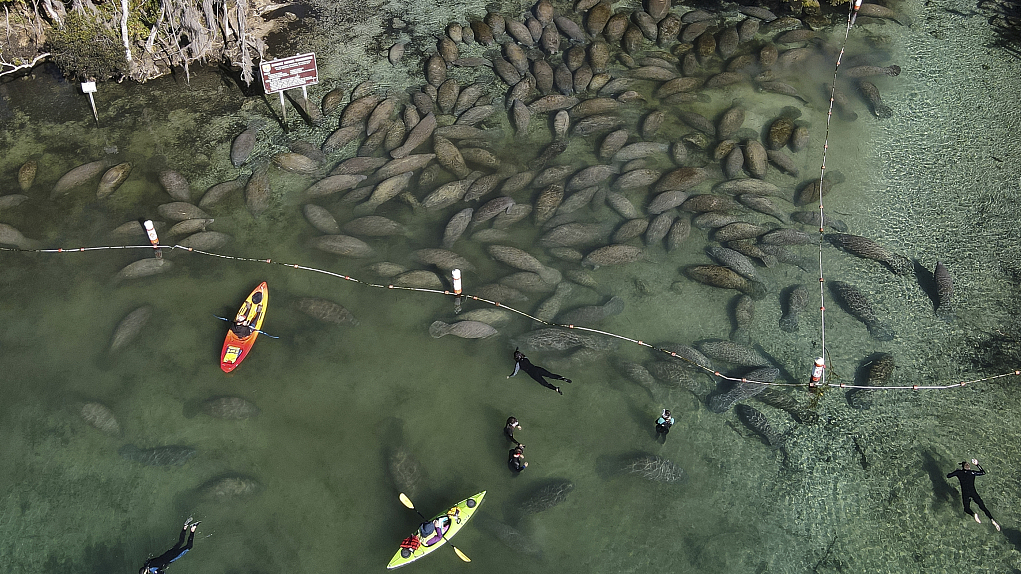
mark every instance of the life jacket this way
{"type": "Point", "coordinates": [411, 542]}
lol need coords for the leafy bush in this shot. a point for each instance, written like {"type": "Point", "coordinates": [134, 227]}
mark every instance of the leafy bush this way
{"type": "Point", "coordinates": [85, 49]}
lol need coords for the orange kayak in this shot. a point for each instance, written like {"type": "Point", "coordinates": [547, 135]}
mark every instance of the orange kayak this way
{"type": "Point", "coordinates": [245, 329]}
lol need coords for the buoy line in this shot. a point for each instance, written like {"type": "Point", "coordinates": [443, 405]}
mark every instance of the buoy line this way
{"type": "Point", "coordinates": [464, 296]}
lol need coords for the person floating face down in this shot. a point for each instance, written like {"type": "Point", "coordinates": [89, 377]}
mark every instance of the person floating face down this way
{"type": "Point", "coordinates": [512, 425]}
{"type": "Point", "coordinates": [663, 424]}
{"type": "Point", "coordinates": [968, 492]}
{"type": "Point", "coordinates": [243, 326]}
{"type": "Point", "coordinates": [516, 458]}
{"type": "Point", "coordinates": [159, 564]}
{"type": "Point", "coordinates": [521, 363]}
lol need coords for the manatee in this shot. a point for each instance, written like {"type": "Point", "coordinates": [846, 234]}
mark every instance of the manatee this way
{"type": "Point", "coordinates": [325, 311]}
{"type": "Point", "coordinates": [731, 392]}
{"type": "Point", "coordinates": [405, 470]}
{"type": "Point", "coordinates": [129, 327]}
{"type": "Point", "coordinates": [12, 200]}
{"type": "Point", "coordinates": [763, 205]}
{"type": "Point", "coordinates": [143, 268]}
{"type": "Point", "coordinates": [101, 417]}
{"type": "Point", "coordinates": [796, 302]}
{"type": "Point", "coordinates": [592, 314]}
{"type": "Point", "coordinates": [463, 329]}
{"type": "Point", "coordinates": [112, 179]}
{"type": "Point", "coordinates": [859, 307]}
{"type": "Point", "coordinates": [654, 468]}
{"type": "Point", "coordinates": [559, 339]}
{"type": "Point", "coordinates": [725, 278]}
{"type": "Point", "coordinates": [744, 313]}
{"type": "Point", "coordinates": [243, 145]}
{"type": "Point", "coordinates": [546, 496]}
{"type": "Point", "coordinates": [456, 227]}
{"type": "Point", "coordinates": [442, 258]}
{"type": "Point", "coordinates": [731, 352]}
{"type": "Point", "coordinates": [866, 71]}
{"type": "Point", "coordinates": [758, 422]}
{"type": "Point", "coordinates": [229, 408]}
{"type": "Point", "coordinates": [878, 370]}
{"type": "Point", "coordinates": [616, 254]}
{"type": "Point", "coordinates": [189, 227]}
{"type": "Point", "coordinates": [373, 226]}
{"type": "Point", "coordinates": [205, 240]}
{"type": "Point", "coordinates": [782, 400]}
{"type": "Point", "coordinates": [157, 456]}
{"type": "Point", "coordinates": [180, 210]}
{"type": "Point", "coordinates": [419, 279]}
{"type": "Point", "coordinates": [229, 487]}
{"type": "Point", "coordinates": [11, 236]}
{"type": "Point", "coordinates": [320, 218]}
{"type": "Point", "coordinates": [77, 177]}
{"type": "Point", "coordinates": [509, 536]}
{"type": "Point", "coordinates": [675, 374]}
{"type": "Point", "coordinates": [879, 11]}
{"type": "Point", "coordinates": [786, 236]}
{"type": "Point", "coordinates": [343, 245]}
{"type": "Point", "coordinates": [736, 261]}
{"type": "Point", "coordinates": [871, 94]}
{"type": "Point", "coordinates": [636, 373]}
{"type": "Point", "coordinates": [869, 249]}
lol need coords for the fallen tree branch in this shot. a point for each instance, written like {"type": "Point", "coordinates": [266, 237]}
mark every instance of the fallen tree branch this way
{"type": "Point", "coordinates": [10, 68]}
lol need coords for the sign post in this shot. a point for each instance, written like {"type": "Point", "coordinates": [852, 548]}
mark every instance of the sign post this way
{"type": "Point", "coordinates": [90, 88]}
{"type": "Point", "coordinates": [292, 72]}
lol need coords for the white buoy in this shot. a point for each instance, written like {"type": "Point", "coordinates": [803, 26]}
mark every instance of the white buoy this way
{"type": "Point", "coordinates": [820, 365]}
{"type": "Point", "coordinates": [150, 230]}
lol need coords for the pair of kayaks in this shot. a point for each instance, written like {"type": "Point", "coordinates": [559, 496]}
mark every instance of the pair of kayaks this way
{"type": "Point", "coordinates": [244, 329]}
{"type": "Point", "coordinates": [424, 541]}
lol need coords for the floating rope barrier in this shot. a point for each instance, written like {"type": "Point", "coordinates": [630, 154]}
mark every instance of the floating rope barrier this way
{"type": "Point", "coordinates": [451, 293]}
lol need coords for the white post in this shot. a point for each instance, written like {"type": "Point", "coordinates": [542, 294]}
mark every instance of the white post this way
{"type": "Point", "coordinates": [283, 110]}
{"type": "Point", "coordinates": [89, 88]}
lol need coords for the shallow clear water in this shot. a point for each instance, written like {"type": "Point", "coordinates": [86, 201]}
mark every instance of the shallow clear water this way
{"type": "Point", "coordinates": [938, 180]}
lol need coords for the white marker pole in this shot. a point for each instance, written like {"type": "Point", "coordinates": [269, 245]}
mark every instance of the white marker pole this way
{"type": "Point", "coordinates": [90, 88]}
{"type": "Point", "coordinates": [304, 96]}
{"type": "Point", "coordinates": [456, 276]}
{"type": "Point", "coordinates": [283, 110]}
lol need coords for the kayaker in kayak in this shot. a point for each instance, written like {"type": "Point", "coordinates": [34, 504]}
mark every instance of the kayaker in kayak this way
{"type": "Point", "coordinates": [521, 362]}
{"type": "Point", "coordinates": [159, 564]}
{"type": "Point", "coordinates": [432, 531]}
{"type": "Point", "coordinates": [242, 325]}
{"type": "Point", "coordinates": [663, 424]}
{"type": "Point", "coordinates": [516, 462]}
{"type": "Point", "coordinates": [512, 425]}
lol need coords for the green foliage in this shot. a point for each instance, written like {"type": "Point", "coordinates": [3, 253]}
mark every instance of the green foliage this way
{"type": "Point", "coordinates": [85, 49]}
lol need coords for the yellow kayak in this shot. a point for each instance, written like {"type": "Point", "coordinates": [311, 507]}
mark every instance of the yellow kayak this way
{"type": "Point", "coordinates": [425, 538]}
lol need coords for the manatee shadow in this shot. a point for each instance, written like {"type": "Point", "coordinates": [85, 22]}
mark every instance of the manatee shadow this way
{"type": "Point", "coordinates": [927, 281]}
{"type": "Point", "coordinates": [774, 362]}
{"type": "Point", "coordinates": [943, 492]}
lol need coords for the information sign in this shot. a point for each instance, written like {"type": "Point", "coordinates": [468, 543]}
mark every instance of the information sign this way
{"type": "Point", "coordinates": [291, 72]}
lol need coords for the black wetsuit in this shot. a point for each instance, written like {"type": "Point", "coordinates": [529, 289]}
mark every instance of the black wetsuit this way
{"type": "Point", "coordinates": [968, 492]}
{"type": "Point", "coordinates": [158, 564]}
{"type": "Point", "coordinates": [521, 362]}
{"type": "Point", "coordinates": [509, 431]}
{"type": "Point", "coordinates": [516, 463]}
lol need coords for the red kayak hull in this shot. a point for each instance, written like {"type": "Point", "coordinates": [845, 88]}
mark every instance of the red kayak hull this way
{"type": "Point", "coordinates": [236, 349]}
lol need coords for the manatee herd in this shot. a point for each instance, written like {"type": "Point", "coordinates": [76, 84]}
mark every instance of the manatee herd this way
{"type": "Point", "coordinates": [562, 143]}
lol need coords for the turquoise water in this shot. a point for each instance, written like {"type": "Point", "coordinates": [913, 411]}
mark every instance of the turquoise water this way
{"type": "Point", "coordinates": [938, 180]}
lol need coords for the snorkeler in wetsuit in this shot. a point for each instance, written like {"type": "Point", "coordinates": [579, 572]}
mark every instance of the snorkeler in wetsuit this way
{"type": "Point", "coordinates": [516, 460]}
{"type": "Point", "coordinates": [968, 492]}
{"type": "Point", "coordinates": [243, 327]}
{"type": "Point", "coordinates": [521, 363]}
{"type": "Point", "coordinates": [159, 564]}
{"type": "Point", "coordinates": [663, 424]}
{"type": "Point", "coordinates": [512, 425]}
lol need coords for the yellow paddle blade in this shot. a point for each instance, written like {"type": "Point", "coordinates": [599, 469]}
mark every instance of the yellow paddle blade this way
{"type": "Point", "coordinates": [407, 501]}
{"type": "Point", "coordinates": [461, 554]}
